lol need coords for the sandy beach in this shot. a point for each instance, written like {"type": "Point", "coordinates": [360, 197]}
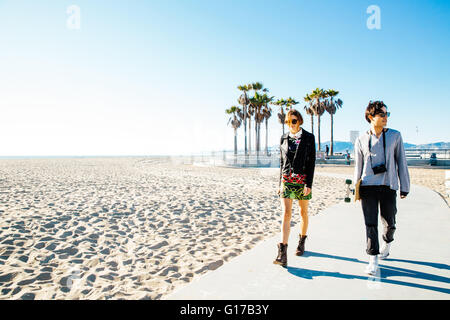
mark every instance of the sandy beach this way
{"type": "Point", "coordinates": [136, 228]}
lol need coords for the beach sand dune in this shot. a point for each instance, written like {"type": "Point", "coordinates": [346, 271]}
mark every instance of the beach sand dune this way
{"type": "Point", "coordinates": [131, 228]}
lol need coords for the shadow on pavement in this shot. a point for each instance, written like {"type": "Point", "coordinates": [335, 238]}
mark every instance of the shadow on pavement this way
{"type": "Point", "coordinates": [423, 263]}
{"type": "Point", "coordinates": [385, 272]}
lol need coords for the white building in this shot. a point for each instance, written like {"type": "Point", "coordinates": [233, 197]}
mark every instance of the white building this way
{"type": "Point", "coordinates": [353, 136]}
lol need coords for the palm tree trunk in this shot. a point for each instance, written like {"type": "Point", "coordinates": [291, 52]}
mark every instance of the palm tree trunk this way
{"type": "Point", "coordinates": [318, 131]}
{"type": "Point", "coordinates": [256, 132]}
{"type": "Point", "coordinates": [331, 148]}
{"type": "Point", "coordinates": [235, 146]}
{"type": "Point", "coordinates": [258, 145]}
{"type": "Point", "coordinates": [259, 136]}
{"type": "Point", "coordinates": [245, 128]}
{"type": "Point", "coordinates": [257, 141]}
{"type": "Point", "coordinates": [235, 142]}
{"type": "Point", "coordinates": [256, 136]}
{"type": "Point", "coordinates": [249, 135]}
{"type": "Point", "coordinates": [267, 137]}
{"type": "Point", "coordinates": [284, 118]}
{"type": "Point", "coordinates": [312, 124]}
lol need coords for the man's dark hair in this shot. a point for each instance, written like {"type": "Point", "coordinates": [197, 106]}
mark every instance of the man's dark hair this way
{"type": "Point", "coordinates": [373, 108]}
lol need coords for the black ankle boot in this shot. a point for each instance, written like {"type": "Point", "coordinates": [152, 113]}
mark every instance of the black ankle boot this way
{"type": "Point", "coordinates": [301, 246]}
{"type": "Point", "coordinates": [282, 255]}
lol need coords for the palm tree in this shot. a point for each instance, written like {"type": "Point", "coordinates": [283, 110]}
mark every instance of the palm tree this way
{"type": "Point", "coordinates": [309, 110]}
{"type": "Point", "coordinates": [319, 108]}
{"type": "Point", "coordinates": [257, 103]}
{"type": "Point", "coordinates": [267, 112]}
{"type": "Point", "coordinates": [281, 115]}
{"type": "Point", "coordinates": [235, 123]}
{"type": "Point", "coordinates": [250, 113]}
{"type": "Point", "coordinates": [289, 103]}
{"type": "Point", "coordinates": [255, 109]}
{"type": "Point", "coordinates": [284, 104]}
{"type": "Point", "coordinates": [254, 101]}
{"type": "Point", "coordinates": [243, 115]}
{"type": "Point", "coordinates": [264, 100]}
{"type": "Point", "coordinates": [331, 108]}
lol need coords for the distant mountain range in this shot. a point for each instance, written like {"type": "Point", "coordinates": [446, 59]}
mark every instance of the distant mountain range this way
{"type": "Point", "coordinates": [440, 145]}
{"type": "Point", "coordinates": [342, 146]}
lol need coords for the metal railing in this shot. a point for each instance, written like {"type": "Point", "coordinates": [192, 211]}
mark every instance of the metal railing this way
{"type": "Point", "coordinates": [427, 153]}
{"type": "Point", "coordinates": [415, 157]}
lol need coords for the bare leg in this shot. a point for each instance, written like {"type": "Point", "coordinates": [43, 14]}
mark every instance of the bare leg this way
{"type": "Point", "coordinates": [286, 205]}
{"type": "Point", "coordinates": [304, 213]}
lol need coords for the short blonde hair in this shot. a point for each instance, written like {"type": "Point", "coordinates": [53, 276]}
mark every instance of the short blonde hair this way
{"type": "Point", "coordinates": [293, 112]}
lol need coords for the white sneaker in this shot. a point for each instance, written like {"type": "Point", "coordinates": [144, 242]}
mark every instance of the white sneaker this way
{"type": "Point", "coordinates": [384, 253]}
{"type": "Point", "coordinates": [372, 267]}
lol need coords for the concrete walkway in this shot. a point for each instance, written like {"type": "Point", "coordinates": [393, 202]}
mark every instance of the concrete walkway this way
{"type": "Point", "coordinates": [333, 264]}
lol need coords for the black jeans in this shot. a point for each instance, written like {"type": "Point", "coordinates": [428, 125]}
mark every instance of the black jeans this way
{"type": "Point", "coordinates": [371, 198]}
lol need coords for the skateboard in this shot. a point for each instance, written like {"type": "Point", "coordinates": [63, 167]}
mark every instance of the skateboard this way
{"type": "Point", "coordinates": [349, 190]}
{"type": "Point", "coordinates": [348, 183]}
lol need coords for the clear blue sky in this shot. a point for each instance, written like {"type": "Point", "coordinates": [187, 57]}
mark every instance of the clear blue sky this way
{"type": "Point", "coordinates": [154, 77]}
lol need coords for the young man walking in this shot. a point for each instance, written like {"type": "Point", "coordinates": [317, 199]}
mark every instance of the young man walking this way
{"type": "Point", "coordinates": [380, 163]}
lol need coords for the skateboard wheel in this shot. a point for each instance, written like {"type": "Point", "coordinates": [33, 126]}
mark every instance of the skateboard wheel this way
{"type": "Point", "coordinates": [347, 199]}
{"type": "Point", "coordinates": [348, 181]}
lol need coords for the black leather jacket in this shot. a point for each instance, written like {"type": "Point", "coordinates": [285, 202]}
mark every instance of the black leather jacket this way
{"type": "Point", "coordinates": [304, 159]}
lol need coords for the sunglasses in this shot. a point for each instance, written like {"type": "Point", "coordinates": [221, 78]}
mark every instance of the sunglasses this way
{"type": "Point", "coordinates": [293, 121]}
{"type": "Point", "coordinates": [382, 114]}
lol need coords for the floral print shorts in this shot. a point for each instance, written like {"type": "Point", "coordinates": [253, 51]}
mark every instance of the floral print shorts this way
{"type": "Point", "coordinates": [294, 191]}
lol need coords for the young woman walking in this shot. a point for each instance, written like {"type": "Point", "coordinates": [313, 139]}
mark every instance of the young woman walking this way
{"type": "Point", "coordinates": [297, 161]}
